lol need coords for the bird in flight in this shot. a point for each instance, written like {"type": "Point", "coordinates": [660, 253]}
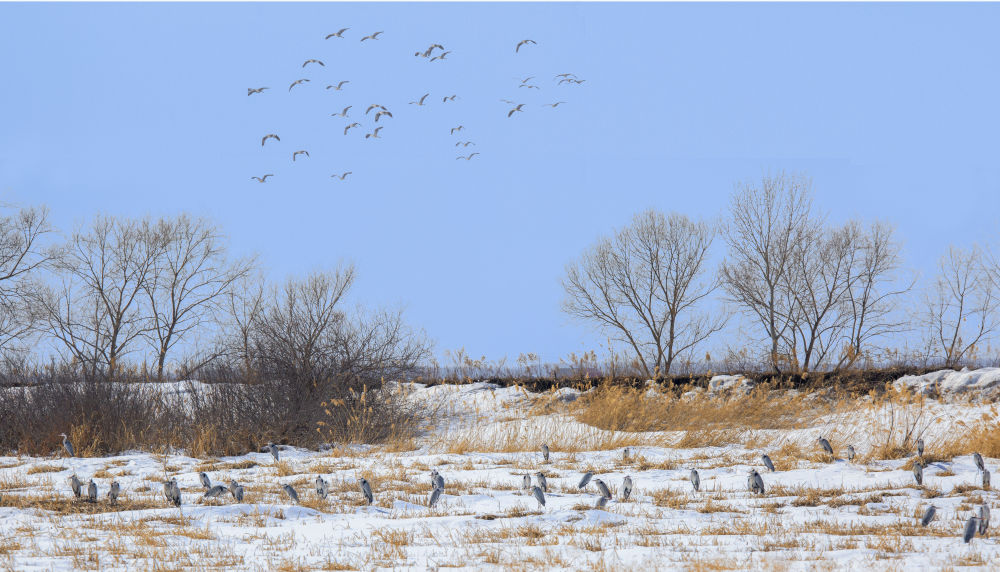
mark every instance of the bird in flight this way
{"type": "Point", "coordinates": [373, 134]}
{"type": "Point", "coordinates": [339, 85]}
{"type": "Point", "coordinates": [566, 75]}
{"type": "Point", "coordinates": [464, 143]}
{"type": "Point", "coordinates": [420, 101]}
{"type": "Point", "coordinates": [342, 113]}
{"type": "Point", "coordinates": [527, 79]}
{"type": "Point", "coordinates": [449, 98]}
{"type": "Point", "coordinates": [341, 177]}
{"type": "Point", "coordinates": [529, 86]}
{"type": "Point", "coordinates": [251, 91]}
{"type": "Point", "coordinates": [373, 106]}
{"type": "Point", "coordinates": [467, 158]}
{"type": "Point", "coordinates": [554, 105]}
{"type": "Point", "coordinates": [371, 37]}
{"type": "Point", "coordinates": [441, 56]}
{"type": "Point", "coordinates": [346, 129]}
{"type": "Point", "coordinates": [508, 101]}
{"type": "Point", "coordinates": [380, 113]}
{"type": "Point", "coordinates": [297, 153]}
{"type": "Point", "coordinates": [269, 136]}
{"type": "Point", "coordinates": [426, 53]}
{"type": "Point", "coordinates": [459, 128]}
{"type": "Point", "coordinates": [518, 108]}
{"type": "Point", "coordinates": [307, 62]}
{"type": "Point", "coordinates": [571, 80]}
{"type": "Point", "coordinates": [523, 42]}
{"type": "Point", "coordinates": [262, 179]}
{"type": "Point", "coordinates": [296, 82]}
{"type": "Point", "coordinates": [337, 35]}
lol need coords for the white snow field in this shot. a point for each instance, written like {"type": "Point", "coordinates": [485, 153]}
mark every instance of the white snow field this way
{"type": "Point", "coordinates": [814, 514]}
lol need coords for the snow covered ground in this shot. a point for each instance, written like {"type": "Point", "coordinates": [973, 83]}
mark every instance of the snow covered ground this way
{"type": "Point", "coordinates": [814, 514]}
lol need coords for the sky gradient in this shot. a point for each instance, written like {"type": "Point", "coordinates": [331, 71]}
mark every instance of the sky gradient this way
{"type": "Point", "coordinates": [135, 109]}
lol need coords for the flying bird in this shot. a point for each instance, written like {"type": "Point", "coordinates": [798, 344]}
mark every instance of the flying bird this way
{"type": "Point", "coordinates": [523, 42]}
{"type": "Point", "coordinates": [440, 56]}
{"type": "Point", "coordinates": [339, 85]}
{"type": "Point", "coordinates": [373, 134]}
{"type": "Point", "coordinates": [342, 113]}
{"type": "Point", "coordinates": [566, 75]}
{"type": "Point", "coordinates": [459, 128]}
{"type": "Point", "coordinates": [554, 105]}
{"type": "Point", "coordinates": [518, 108]}
{"type": "Point", "coordinates": [529, 86]}
{"type": "Point", "coordinates": [527, 79]}
{"type": "Point", "coordinates": [341, 177]}
{"type": "Point", "coordinates": [307, 62]}
{"type": "Point", "coordinates": [337, 35]}
{"type": "Point", "coordinates": [262, 179]}
{"type": "Point", "coordinates": [420, 101]}
{"type": "Point", "coordinates": [371, 37]}
{"type": "Point", "coordinates": [571, 80]}
{"type": "Point", "coordinates": [351, 125]}
{"type": "Point", "coordinates": [380, 113]}
{"type": "Point", "coordinates": [466, 144]}
{"type": "Point", "coordinates": [269, 136]}
{"type": "Point", "coordinates": [297, 153]}
{"type": "Point", "coordinates": [426, 53]}
{"type": "Point", "coordinates": [448, 98]}
{"type": "Point", "coordinates": [374, 106]}
{"type": "Point", "coordinates": [467, 158]}
{"type": "Point", "coordinates": [297, 82]}
{"type": "Point", "coordinates": [251, 91]}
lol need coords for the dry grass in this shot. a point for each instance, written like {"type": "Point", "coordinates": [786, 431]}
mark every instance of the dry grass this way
{"type": "Point", "coordinates": [35, 469]}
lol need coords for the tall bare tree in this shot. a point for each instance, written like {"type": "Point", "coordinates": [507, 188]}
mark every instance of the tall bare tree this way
{"type": "Point", "coordinates": [24, 253]}
{"type": "Point", "coordinates": [642, 286]}
{"type": "Point", "coordinates": [243, 305]}
{"type": "Point", "coordinates": [767, 222]}
{"type": "Point", "coordinates": [98, 311]}
{"type": "Point", "coordinates": [187, 281]}
{"type": "Point", "coordinates": [963, 304]}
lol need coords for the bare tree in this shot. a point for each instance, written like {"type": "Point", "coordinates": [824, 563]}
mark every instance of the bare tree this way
{"type": "Point", "coordinates": [187, 281]}
{"type": "Point", "coordinates": [642, 286]}
{"type": "Point", "coordinates": [24, 253]}
{"type": "Point", "coordinates": [98, 311]}
{"type": "Point", "coordinates": [767, 222]}
{"type": "Point", "coordinates": [243, 306]}
{"type": "Point", "coordinates": [962, 305]}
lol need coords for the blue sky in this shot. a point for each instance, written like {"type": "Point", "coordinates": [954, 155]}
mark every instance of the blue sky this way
{"type": "Point", "coordinates": [138, 109]}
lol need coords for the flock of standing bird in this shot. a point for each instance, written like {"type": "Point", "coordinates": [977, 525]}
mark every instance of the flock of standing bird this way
{"type": "Point", "coordinates": [433, 53]}
{"type": "Point", "coordinates": [978, 523]}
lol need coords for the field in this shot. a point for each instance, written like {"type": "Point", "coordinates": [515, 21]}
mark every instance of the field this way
{"type": "Point", "coordinates": [817, 512]}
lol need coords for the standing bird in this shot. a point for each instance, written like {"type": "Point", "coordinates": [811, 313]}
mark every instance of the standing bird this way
{"type": "Point", "coordinates": [603, 488]}
{"type": "Point", "coordinates": [435, 495]}
{"type": "Point", "coordinates": [539, 495]}
{"type": "Point", "coordinates": [342, 113]}
{"type": "Point", "coordinates": [970, 529]}
{"type": "Point", "coordinates": [297, 153]}
{"type": "Point", "coordinates": [920, 448]}
{"type": "Point", "coordinates": [545, 447]}
{"type": "Point", "coordinates": [695, 480]}
{"type": "Point", "coordinates": [984, 519]}
{"type": "Point", "coordinates": [236, 490]}
{"type": "Point", "coordinates": [349, 127]}
{"type": "Point", "coordinates": [850, 453]}
{"type": "Point", "coordinates": [205, 481]}
{"type": "Point", "coordinates": [928, 515]}
{"type": "Point", "coordinates": [338, 34]}
{"type": "Point", "coordinates": [291, 493]}
{"type": "Point", "coordinates": [420, 101]}
{"type": "Point", "coordinates": [113, 492]}
{"type": "Point", "coordinates": [586, 479]}
{"type": "Point", "coordinates": [175, 492]}
{"type": "Point", "coordinates": [516, 109]}
{"type": "Point", "coordinates": [67, 445]}
{"type": "Point", "coordinates": [262, 179]}
{"type": "Point", "coordinates": [526, 482]}
{"type": "Point", "coordinates": [366, 490]}
{"type": "Point", "coordinates": [439, 481]}
{"type": "Point", "coordinates": [543, 483]}
{"type": "Point", "coordinates": [986, 479]}
{"type": "Point", "coordinates": [825, 445]}
{"type": "Point", "coordinates": [339, 86]}
{"type": "Point", "coordinates": [978, 459]}
{"type": "Point", "coordinates": [74, 483]}
{"type": "Point", "coordinates": [297, 82]}
{"type": "Point", "coordinates": [307, 62]}
{"type": "Point", "coordinates": [92, 491]}
{"type": "Point", "coordinates": [918, 472]}
{"type": "Point", "coordinates": [459, 128]}
{"type": "Point", "coordinates": [523, 42]}
{"type": "Point", "coordinates": [251, 91]}
{"type": "Point", "coordinates": [273, 450]}
{"type": "Point", "coordinates": [168, 491]}
{"type": "Point", "coordinates": [215, 492]}
{"type": "Point", "coordinates": [322, 489]}
{"type": "Point", "coordinates": [767, 462]}
{"type": "Point", "coordinates": [755, 483]}
{"type": "Point", "coordinates": [342, 176]}
{"type": "Point", "coordinates": [601, 502]}
{"type": "Point", "coordinates": [371, 37]}
{"type": "Point", "coordinates": [269, 136]}
{"type": "Point", "coordinates": [627, 487]}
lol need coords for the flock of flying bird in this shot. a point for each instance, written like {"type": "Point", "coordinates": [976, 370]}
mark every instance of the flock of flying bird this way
{"type": "Point", "coordinates": [978, 523]}
{"type": "Point", "coordinates": [383, 112]}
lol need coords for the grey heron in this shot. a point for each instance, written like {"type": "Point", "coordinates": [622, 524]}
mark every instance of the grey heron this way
{"type": "Point", "coordinates": [986, 479]}
{"type": "Point", "coordinates": [970, 529]}
{"type": "Point", "coordinates": [825, 445]}
{"type": "Point", "coordinates": [215, 492]}
{"type": "Point", "coordinates": [767, 462]}
{"type": "Point", "coordinates": [850, 452]}
{"type": "Point", "coordinates": [205, 481]}
{"type": "Point", "coordinates": [273, 450]}
{"type": "Point", "coordinates": [67, 445]}
{"type": "Point", "coordinates": [695, 480]}
{"type": "Point", "coordinates": [920, 448]}
{"type": "Point", "coordinates": [526, 482]}
{"type": "Point", "coordinates": [322, 489]}
{"type": "Point", "coordinates": [236, 490]}
{"type": "Point", "coordinates": [603, 488]}
{"type": "Point", "coordinates": [984, 519]}
{"type": "Point", "coordinates": [539, 495]}
{"type": "Point", "coordinates": [175, 492]}
{"type": "Point", "coordinates": [74, 483]}
{"type": "Point", "coordinates": [978, 459]}
{"type": "Point", "coordinates": [92, 491]}
{"type": "Point", "coordinates": [291, 493]}
{"type": "Point", "coordinates": [918, 472]}
{"type": "Point", "coordinates": [627, 487]}
{"type": "Point", "coordinates": [586, 479]}
{"type": "Point", "coordinates": [438, 481]}
{"type": "Point", "coordinates": [754, 482]}
{"type": "Point", "coordinates": [601, 502]}
{"type": "Point", "coordinates": [366, 490]}
{"type": "Point", "coordinates": [542, 482]}
{"type": "Point", "coordinates": [167, 491]}
{"type": "Point", "coordinates": [113, 492]}
{"type": "Point", "coordinates": [625, 454]}
{"type": "Point", "coordinates": [435, 495]}
{"type": "Point", "coordinates": [928, 515]}
{"type": "Point", "coordinates": [545, 452]}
